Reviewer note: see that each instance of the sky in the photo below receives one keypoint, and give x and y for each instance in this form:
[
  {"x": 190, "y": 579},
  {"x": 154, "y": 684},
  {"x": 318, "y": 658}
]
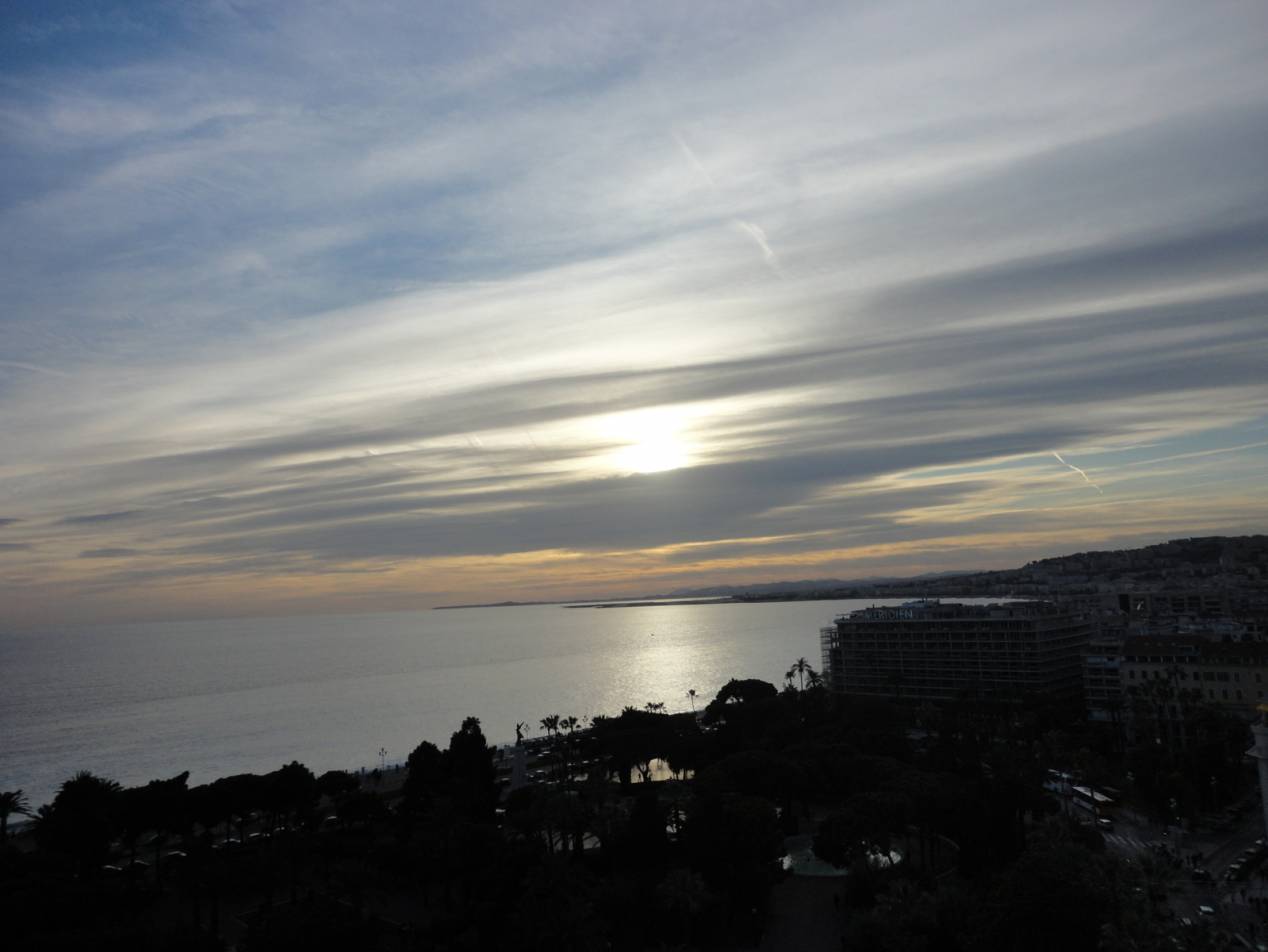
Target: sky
[{"x": 355, "y": 306}]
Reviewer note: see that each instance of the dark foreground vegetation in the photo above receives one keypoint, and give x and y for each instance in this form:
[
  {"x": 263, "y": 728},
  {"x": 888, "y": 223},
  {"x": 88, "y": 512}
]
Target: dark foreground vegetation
[{"x": 645, "y": 830}]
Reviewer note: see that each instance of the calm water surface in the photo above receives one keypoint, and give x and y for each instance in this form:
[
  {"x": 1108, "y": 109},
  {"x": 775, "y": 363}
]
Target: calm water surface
[{"x": 140, "y": 701}]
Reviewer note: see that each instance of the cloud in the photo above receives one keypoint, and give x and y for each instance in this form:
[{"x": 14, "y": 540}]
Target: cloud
[
  {"x": 299, "y": 293},
  {"x": 95, "y": 518},
  {"x": 32, "y": 368}
]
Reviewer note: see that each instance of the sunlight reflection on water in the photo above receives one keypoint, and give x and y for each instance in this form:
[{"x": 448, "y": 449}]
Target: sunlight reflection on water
[{"x": 135, "y": 702}]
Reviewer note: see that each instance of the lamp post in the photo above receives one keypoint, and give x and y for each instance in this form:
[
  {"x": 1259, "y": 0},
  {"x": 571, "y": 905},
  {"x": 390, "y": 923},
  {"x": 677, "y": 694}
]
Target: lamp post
[{"x": 1175, "y": 821}]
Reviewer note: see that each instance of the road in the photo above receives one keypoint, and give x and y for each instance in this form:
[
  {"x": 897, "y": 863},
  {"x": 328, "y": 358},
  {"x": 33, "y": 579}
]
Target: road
[{"x": 1236, "y": 906}]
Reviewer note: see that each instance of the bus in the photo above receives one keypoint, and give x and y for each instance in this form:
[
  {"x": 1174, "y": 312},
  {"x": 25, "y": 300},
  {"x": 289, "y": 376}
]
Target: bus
[
  {"x": 1100, "y": 805},
  {"x": 1058, "y": 782}
]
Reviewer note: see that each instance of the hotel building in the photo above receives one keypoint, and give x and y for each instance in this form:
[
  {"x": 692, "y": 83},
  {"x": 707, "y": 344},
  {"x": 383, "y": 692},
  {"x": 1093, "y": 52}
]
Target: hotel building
[{"x": 935, "y": 651}]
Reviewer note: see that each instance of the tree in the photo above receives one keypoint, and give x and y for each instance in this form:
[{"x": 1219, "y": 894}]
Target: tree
[
  {"x": 804, "y": 672},
  {"x": 337, "y": 785},
  {"x": 82, "y": 819},
  {"x": 1054, "y": 898},
  {"x": 801, "y": 668},
  {"x": 633, "y": 740},
  {"x": 733, "y": 841},
  {"x": 469, "y": 762},
  {"x": 550, "y": 724},
  {"x": 861, "y": 830},
  {"x": 745, "y": 691},
  {"x": 556, "y": 912},
  {"x": 11, "y": 802},
  {"x": 427, "y": 774},
  {"x": 240, "y": 795},
  {"x": 691, "y": 696},
  {"x": 682, "y": 895},
  {"x": 737, "y": 693},
  {"x": 567, "y": 749},
  {"x": 166, "y": 805},
  {"x": 292, "y": 791}
]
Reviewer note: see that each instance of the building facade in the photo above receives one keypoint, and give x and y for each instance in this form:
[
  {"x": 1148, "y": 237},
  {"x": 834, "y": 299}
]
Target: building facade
[
  {"x": 1102, "y": 679},
  {"x": 1230, "y": 674},
  {"x": 935, "y": 651}
]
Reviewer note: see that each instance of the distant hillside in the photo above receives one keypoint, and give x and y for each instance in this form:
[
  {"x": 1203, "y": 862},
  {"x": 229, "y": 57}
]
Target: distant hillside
[
  {"x": 804, "y": 585},
  {"x": 1232, "y": 562},
  {"x": 1195, "y": 558}
]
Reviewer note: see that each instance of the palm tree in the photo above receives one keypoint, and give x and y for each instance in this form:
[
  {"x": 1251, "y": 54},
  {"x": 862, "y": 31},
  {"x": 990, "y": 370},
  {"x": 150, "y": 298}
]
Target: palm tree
[
  {"x": 691, "y": 694},
  {"x": 11, "y": 802},
  {"x": 814, "y": 679},
  {"x": 800, "y": 668},
  {"x": 550, "y": 724},
  {"x": 655, "y": 707},
  {"x": 82, "y": 819}
]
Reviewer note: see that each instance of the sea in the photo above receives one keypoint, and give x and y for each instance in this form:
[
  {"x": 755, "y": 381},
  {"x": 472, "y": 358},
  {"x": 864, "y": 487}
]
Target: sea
[{"x": 137, "y": 702}]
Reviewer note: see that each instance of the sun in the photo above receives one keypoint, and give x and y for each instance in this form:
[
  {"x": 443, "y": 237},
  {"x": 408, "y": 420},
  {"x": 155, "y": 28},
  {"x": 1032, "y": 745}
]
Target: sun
[
  {"x": 653, "y": 455},
  {"x": 654, "y": 442}
]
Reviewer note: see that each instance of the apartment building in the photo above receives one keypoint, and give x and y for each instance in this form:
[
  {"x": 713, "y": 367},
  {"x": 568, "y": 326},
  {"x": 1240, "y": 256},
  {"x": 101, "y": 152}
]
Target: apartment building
[
  {"x": 936, "y": 651},
  {"x": 1230, "y": 674}
]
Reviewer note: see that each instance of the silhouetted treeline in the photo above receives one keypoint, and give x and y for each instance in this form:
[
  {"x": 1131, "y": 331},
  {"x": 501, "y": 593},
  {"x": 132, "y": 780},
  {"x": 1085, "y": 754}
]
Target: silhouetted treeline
[{"x": 642, "y": 830}]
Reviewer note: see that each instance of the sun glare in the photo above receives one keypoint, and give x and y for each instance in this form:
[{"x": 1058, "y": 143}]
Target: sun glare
[
  {"x": 654, "y": 455},
  {"x": 654, "y": 442}
]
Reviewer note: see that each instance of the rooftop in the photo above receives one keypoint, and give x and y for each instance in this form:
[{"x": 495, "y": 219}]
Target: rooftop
[{"x": 933, "y": 609}]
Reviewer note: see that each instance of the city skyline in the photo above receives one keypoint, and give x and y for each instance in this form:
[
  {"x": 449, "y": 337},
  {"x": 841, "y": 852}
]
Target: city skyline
[{"x": 352, "y": 307}]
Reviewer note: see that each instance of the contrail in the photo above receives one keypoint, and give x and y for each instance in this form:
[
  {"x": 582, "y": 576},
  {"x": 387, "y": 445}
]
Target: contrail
[
  {"x": 759, "y": 237},
  {"x": 383, "y": 459},
  {"x": 32, "y": 368},
  {"x": 1079, "y": 471},
  {"x": 694, "y": 160},
  {"x": 750, "y": 229}
]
